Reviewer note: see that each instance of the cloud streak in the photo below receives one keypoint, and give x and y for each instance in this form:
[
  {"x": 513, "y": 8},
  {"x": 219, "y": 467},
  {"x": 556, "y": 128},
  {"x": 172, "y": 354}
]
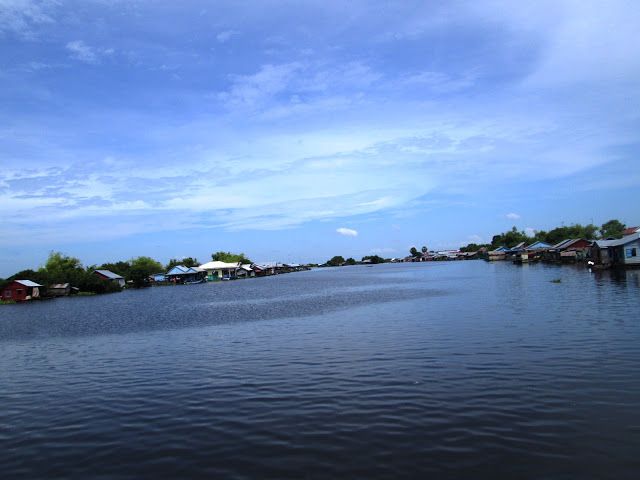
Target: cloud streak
[{"x": 347, "y": 232}]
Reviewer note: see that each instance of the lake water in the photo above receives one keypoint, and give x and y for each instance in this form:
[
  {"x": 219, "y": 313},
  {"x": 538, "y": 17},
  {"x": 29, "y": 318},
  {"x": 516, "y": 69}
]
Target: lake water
[{"x": 438, "y": 370}]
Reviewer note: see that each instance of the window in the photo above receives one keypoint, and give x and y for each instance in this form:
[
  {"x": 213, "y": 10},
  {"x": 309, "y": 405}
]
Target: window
[
  {"x": 632, "y": 252},
  {"x": 7, "y": 294}
]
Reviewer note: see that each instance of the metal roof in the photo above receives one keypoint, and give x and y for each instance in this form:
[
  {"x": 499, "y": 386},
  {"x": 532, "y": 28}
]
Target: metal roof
[
  {"x": 538, "y": 246},
  {"x": 618, "y": 242},
  {"x": 217, "y": 265},
  {"x": 181, "y": 270},
  {"x": 109, "y": 274},
  {"x": 28, "y": 283}
]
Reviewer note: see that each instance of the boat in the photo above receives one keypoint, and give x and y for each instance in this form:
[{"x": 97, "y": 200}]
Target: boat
[{"x": 195, "y": 282}]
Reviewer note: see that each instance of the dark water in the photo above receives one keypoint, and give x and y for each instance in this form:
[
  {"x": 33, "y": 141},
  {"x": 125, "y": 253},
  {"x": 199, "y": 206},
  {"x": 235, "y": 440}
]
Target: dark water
[{"x": 444, "y": 370}]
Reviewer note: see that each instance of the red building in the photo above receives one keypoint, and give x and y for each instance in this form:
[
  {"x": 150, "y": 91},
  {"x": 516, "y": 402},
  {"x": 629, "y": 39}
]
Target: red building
[{"x": 21, "y": 290}]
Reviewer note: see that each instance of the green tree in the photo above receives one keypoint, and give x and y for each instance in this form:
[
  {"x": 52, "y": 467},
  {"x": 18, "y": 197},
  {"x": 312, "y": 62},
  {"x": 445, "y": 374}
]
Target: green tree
[
  {"x": 187, "y": 262},
  {"x": 350, "y": 261},
  {"x": 414, "y": 252},
  {"x": 374, "y": 258},
  {"x": 141, "y": 269},
  {"x": 229, "y": 257},
  {"x": 61, "y": 268},
  {"x": 424, "y": 249},
  {"x": 336, "y": 261},
  {"x": 612, "y": 229}
]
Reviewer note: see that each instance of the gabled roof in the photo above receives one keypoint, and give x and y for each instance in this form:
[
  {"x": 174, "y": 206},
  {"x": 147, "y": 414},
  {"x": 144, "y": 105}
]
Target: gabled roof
[
  {"x": 109, "y": 274},
  {"x": 563, "y": 243},
  {"x": 181, "y": 270},
  {"x": 28, "y": 283},
  {"x": 618, "y": 242},
  {"x": 630, "y": 231},
  {"x": 538, "y": 246}
]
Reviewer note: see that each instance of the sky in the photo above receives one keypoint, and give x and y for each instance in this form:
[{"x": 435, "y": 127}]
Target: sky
[{"x": 295, "y": 131}]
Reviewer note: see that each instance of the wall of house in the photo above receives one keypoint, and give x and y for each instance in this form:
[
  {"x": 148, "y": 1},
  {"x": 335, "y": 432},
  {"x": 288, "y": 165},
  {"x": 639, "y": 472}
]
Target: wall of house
[
  {"x": 15, "y": 291},
  {"x": 628, "y": 250}
]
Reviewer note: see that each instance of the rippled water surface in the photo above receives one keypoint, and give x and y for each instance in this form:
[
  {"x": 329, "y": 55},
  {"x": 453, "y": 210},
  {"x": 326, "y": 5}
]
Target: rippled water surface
[{"x": 440, "y": 370}]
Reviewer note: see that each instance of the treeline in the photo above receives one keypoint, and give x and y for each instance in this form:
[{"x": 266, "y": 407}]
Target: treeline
[
  {"x": 61, "y": 268},
  {"x": 339, "y": 260},
  {"x": 611, "y": 229}
]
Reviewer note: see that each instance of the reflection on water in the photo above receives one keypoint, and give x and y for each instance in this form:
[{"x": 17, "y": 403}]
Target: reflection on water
[{"x": 463, "y": 369}]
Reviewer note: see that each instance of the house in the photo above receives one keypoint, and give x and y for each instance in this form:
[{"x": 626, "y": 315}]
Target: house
[
  {"x": 569, "y": 250},
  {"x": 245, "y": 271},
  {"x": 158, "y": 277},
  {"x": 624, "y": 251},
  {"x": 217, "y": 270},
  {"x": 59, "y": 290},
  {"x": 264, "y": 269},
  {"x": 182, "y": 274},
  {"x": 110, "y": 276},
  {"x": 21, "y": 290},
  {"x": 499, "y": 253},
  {"x": 630, "y": 231}
]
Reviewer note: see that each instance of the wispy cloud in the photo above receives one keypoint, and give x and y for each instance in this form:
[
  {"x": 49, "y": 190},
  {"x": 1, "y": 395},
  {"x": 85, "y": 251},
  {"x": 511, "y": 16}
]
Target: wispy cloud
[
  {"x": 23, "y": 17},
  {"x": 347, "y": 232},
  {"x": 512, "y": 216},
  {"x": 226, "y": 35},
  {"x": 79, "y": 50}
]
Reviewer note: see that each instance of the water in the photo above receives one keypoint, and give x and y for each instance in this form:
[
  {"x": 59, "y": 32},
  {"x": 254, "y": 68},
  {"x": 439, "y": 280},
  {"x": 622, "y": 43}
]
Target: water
[{"x": 440, "y": 370}]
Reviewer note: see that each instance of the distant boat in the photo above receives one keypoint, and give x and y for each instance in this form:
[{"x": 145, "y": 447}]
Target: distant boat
[{"x": 195, "y": 282}]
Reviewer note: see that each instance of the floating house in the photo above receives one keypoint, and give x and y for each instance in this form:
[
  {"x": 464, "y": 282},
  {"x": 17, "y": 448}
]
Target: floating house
[
  {"x": 158, "y": 277},
  {"x": 21, "y": 290},
  {"x": 217, "y": 270},
  {"x": 568, "y": 251},
  {"x": 59, "y": 290},
  {"x": 182, "y": 274},
  {"x": 499, "y": 253},
  {"x": 110, "y": 276},
  {"x": 245, "y": 271},
  {"x": 623, "y": 252}
]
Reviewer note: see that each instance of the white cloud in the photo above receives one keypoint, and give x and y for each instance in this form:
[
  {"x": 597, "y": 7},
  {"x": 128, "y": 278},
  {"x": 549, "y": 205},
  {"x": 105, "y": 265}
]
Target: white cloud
[
  {"x": 226, "y": 35},
  {"x": 84, "y": 53},
  {"x": 22, "y": 17},
  {"x": 347, "y": 232},
  {"x": 512, "y": 216},
  {"x": 530, "y": 231}
]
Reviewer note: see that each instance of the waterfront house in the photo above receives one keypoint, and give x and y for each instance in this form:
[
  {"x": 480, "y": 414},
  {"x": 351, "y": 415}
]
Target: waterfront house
[
  {"x": 21, "y": 290},
  {"x": 217, "y": 270},
  {"x": 624, "y": 251},
  {"x": 569, "y": 250},
  {"x": 158, "y": 278},
  {"x": 110, "y": 276},
  {"x": 499, "y": 253},
  {"x": 245, "y": 271},
  {"x": 59, "y": 290},
  {"x": 182, "y": 274},
  {"x": 630, "y": 231}
]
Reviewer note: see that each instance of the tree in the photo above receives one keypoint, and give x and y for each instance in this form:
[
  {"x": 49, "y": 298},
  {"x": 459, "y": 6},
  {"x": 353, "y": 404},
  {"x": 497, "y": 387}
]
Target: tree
[
  {"x": 62, "y": 268},
  {"x": 350, "y": 261},
  {"x": 612, "y": 229},
  {"x": 229, "y": 257},
  {"x": 373, "y": 258},
  {"x": 336, "y": 261},
  {"x": 141, "y": 269},
  {"x": 187, "y": 262},
  {"x": 414, "y": 252},
  {"x": 425, "y": 249}
]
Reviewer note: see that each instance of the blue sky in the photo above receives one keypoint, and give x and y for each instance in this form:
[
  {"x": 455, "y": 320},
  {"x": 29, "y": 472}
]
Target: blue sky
[{"x": 298, "y": 130}]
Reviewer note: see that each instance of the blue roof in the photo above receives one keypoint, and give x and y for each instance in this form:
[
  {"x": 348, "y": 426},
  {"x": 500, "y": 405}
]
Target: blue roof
[
  {"x": 181, "y": 270},
  {"x": 538, "y": 246}
]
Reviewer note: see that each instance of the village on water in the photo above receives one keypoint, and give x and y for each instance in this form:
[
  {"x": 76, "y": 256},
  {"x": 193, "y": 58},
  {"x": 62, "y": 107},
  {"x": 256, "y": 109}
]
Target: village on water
[{"x": 617, "y": 246}]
